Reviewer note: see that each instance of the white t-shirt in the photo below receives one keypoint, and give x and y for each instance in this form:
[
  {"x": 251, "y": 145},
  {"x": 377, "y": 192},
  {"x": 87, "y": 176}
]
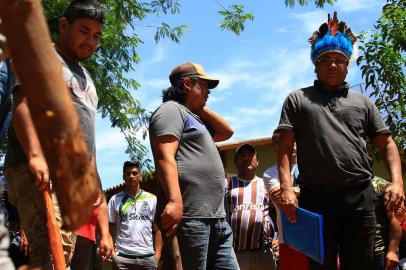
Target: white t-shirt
[
  {"x": 133, "y": 217},
  {"x": 271, "y": 181}
]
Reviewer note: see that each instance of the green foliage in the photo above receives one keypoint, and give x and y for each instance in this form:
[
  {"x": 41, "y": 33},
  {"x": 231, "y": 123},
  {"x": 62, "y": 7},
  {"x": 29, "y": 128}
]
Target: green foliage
[
  {"x": 383, "y": 67},
  {"x": 318, "y": 3},
  {"x": 116, "y": 57},
  {"x": 165, "y": 31},
  {"x": 234, "y": 18}
]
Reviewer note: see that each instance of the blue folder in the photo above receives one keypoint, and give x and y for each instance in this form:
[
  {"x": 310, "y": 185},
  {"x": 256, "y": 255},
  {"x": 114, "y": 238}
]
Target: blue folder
[{"x": 306, "y": 234}]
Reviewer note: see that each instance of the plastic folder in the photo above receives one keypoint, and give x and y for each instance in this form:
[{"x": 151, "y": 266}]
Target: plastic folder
[{"x": 306, "y": 234}]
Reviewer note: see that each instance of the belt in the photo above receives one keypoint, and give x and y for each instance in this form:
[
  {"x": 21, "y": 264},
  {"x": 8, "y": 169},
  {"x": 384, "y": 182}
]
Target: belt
[
  {"x": 131, "y": 256},
  {"x": 341, "y": 188}
]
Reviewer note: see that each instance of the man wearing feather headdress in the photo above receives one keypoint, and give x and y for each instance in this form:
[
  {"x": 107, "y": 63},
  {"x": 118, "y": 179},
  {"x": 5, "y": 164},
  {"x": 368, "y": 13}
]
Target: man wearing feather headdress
[{"x": 329, "y": 123}]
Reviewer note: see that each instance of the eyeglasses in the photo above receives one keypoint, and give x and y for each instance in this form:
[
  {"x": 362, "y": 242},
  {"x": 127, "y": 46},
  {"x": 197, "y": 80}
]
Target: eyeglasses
[{"x": 327, "y": 61}]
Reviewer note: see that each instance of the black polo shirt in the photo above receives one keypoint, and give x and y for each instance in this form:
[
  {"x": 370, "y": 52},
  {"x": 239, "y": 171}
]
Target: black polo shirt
[{"x": 330, "y": 129}]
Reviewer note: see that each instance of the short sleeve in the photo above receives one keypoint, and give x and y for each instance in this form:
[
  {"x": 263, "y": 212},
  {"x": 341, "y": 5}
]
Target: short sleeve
[
  {"x": 289, "y": 114},
  {"x": 271, "y": 178},
  {"x": 167, "y": 120},
  {"x": 16, "y": 81},
  {"x": 111, "y": 209},
  {"x": 376, "y": 124},
  {"x": 154, "y": 201}
]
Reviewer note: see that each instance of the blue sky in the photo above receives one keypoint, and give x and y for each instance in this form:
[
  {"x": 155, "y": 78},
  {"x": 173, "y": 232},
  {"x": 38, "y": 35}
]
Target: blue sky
[{"x": 256, "y": 69}]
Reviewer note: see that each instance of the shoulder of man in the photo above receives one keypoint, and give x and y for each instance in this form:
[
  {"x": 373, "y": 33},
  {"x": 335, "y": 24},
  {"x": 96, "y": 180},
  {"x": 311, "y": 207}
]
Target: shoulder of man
[
  {"x": 302, "y": 91},
  {"x": 271, "y": 172},
  {"x": 296, "y": 96},
  {"x": 166, "y": 106},
  {"x": 116, "y": 196},
  {"x": 358, "y": 95},
  {"x": 147, "y": 195},
  {"x": 261, "y": 184},
  {"x": 89, "y": 76}
]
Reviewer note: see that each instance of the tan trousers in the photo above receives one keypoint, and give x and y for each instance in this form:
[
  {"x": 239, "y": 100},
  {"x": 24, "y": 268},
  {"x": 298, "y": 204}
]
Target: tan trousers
[{"x": 25, "y": 196}]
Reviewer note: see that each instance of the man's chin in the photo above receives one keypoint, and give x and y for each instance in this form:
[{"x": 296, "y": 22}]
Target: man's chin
[{"x": 83, "y": 57}]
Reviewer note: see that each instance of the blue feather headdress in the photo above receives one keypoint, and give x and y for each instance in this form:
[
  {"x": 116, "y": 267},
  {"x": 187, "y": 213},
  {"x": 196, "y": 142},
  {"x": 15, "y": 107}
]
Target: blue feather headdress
[{"x": 333, "y": 36}]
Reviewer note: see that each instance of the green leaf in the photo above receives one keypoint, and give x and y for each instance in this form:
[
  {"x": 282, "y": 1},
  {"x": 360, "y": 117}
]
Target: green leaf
[{"x": 235, "y": 19}]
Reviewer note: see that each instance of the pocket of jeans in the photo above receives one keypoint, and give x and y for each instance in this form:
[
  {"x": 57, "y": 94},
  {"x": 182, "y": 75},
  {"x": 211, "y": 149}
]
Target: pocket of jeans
[
  {"x": 228, "y": 227},
  {"x": 192, "y": 227}
]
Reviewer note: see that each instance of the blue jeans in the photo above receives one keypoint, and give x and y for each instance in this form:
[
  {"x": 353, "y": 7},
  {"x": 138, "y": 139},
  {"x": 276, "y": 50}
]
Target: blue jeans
[{"x": 206, "y": 244}]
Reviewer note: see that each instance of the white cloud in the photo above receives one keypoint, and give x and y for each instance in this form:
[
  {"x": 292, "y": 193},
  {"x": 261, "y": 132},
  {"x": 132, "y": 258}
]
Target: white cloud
[
  {"x": 158, "y": 55},
  {"x": 282, "y": 30},
  {"x": 311, "y": 21},
  {"x": 154, "y": 83},
  {"x": 109, "y": 139},
  {"x": 215, "y": 99},
  {"x": 279, "y": 70},
  {"x": 357, "y": 5},
  {"x": 252, "y": 90}
]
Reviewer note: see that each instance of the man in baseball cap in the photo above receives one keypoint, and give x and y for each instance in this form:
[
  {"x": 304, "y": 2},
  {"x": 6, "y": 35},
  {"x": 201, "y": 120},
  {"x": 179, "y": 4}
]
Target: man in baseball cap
[
  {"x": 190, "y": 172},
  {"x": 259, "y": 251}
]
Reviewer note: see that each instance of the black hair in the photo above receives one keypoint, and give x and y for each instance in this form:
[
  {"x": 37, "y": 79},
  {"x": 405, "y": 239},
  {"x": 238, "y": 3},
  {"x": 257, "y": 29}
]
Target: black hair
[
  {"x": 78, "y": 9},
  {"x": 130, "y": 164},
  {"x": 176, "y": 92}
]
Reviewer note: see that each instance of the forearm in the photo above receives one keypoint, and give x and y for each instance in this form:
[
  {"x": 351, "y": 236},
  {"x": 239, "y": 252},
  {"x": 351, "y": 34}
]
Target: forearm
[
  {"x": 222, "y": 130},
  {"x": 158, "y": 244},
  {"x": 284, "y": 159},
  {"x": 284, "y": 174},
  {"x": 390, "y": 155},
  {"x": 168, "y": 179},
  {"x": 395, "y": 234},
  {"x": 393, "y": 164},
  {"x": 24, "y": 127},
  {"x": 275, "y": 195},
  {"x": 102, "y": 219}
]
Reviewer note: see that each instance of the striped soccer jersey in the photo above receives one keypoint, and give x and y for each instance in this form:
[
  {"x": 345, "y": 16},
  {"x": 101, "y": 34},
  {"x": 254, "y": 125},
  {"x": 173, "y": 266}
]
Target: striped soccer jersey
[{"x": 248, "y": 213}]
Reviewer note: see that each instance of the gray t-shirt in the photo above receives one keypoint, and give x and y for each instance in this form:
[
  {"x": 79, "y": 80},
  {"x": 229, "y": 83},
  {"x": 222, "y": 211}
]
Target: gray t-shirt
[
  {"x": 85, "y": 100},
  {"x": 201, "y": 174},
  {"x": 330, "y": 130}
]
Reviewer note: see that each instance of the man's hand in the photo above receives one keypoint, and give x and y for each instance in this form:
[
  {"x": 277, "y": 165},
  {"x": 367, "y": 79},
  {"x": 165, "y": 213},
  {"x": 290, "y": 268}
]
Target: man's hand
[
  {"x": 106, "y": 247},
  {"x": 400, "y": 215},
  {"x": 39, "y": 167},
  {"x": 23, "y": 243},
  {"x": 171, "y": 217},
  {"x": 289, "y": 203},
  {"x": 391, "y": 260},
  {"x": 394, "y": 197},
  {"x": 275, "y": 248}
]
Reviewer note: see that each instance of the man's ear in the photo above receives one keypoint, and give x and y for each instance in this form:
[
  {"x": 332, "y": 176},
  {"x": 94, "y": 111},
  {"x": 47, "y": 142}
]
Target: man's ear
[
  {"x": 63, "y": 25},
  {"x": 187, "y": 84}
]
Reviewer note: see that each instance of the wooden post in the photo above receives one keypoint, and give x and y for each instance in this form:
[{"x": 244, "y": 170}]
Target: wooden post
[
  {"x": 54, "y": 117},
  {"x": 55, "y": 241}
]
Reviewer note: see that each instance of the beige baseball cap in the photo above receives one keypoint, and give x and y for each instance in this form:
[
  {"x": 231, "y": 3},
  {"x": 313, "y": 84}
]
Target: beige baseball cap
[{"x": 191, "y": 70}]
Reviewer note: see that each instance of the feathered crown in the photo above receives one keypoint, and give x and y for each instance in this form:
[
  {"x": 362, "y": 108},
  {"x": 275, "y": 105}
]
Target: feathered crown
[{"x": 333, "y": 36}]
